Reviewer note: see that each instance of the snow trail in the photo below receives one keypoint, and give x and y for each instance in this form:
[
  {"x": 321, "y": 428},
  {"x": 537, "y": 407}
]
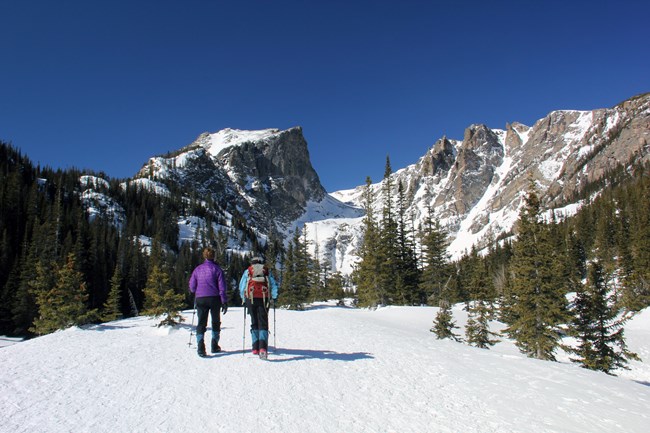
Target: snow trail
[{"x": 334, "y": 370}]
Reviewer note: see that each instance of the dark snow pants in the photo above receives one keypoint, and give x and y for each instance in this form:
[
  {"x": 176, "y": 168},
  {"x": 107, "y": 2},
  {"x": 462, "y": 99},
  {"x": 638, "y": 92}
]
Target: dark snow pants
[
  {"x": 259, "y": 323},
  {"x": 205, "y": 305}
]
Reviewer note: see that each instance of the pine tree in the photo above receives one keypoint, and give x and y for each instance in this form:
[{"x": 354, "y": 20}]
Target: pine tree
[
  {"x": 335, "y": 287},
  {"x": 480, "y": 307},
  {"x": 366, "y": 272},
  {"x": 598, "y": 326},
  {"x": 477, "y": 330},
  {"x": 62, "y": 302},
  {"x": 407, "y": 272},
  {"x": 389, "y": 254},
  {"x": 288, "y": 296},
  {"x": 296, "y": 276},
  {"x": 537, "y": 306},
  {"x": 443, "y": 324},
  {"x": 434, "y": 273},
  {"x": 637, "y": 283},
  {"x": 160, "y": 298},
  {"x": 112, "y": 307}
]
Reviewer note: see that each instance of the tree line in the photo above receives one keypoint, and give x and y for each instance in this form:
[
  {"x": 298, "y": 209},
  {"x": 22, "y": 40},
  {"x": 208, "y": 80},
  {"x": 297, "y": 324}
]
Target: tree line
[
  {"x": 61, "y": 266},
  {"x": 553, "y": 276},
  {"x": 582, "y": 276}
]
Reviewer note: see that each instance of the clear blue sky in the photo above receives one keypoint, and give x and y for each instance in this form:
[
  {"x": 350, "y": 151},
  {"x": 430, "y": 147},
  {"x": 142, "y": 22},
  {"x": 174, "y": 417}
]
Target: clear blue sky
[{"x": 107, "y": 84}]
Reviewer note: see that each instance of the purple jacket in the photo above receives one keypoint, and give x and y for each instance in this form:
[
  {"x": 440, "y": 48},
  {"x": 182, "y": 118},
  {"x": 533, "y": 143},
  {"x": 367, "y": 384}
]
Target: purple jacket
[{"x": 208, "y": 280}]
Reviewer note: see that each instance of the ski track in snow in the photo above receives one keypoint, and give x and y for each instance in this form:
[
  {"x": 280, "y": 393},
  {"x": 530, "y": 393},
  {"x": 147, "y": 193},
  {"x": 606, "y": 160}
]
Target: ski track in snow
[{"x": 334, "y": 370}]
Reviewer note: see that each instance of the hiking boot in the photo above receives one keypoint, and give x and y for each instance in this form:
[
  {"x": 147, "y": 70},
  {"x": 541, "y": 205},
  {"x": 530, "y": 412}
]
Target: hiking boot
[
  {"x": 201, "y": 349},
  {"x": 263, "y": 354},
  {"x": 215, "y": 347},
  {"x": 256, "y": 352}
]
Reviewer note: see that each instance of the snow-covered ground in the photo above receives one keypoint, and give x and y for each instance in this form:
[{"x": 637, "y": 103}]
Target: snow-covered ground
[{"x": 334, "y": 370}]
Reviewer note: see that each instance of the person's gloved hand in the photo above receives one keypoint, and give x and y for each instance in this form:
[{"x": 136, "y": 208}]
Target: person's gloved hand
[{"x": 224, "y": 308}]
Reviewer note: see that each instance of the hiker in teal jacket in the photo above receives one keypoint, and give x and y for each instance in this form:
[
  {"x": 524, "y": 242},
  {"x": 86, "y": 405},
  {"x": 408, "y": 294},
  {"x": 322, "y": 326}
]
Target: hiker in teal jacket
[{"x": 258, "y": 289}]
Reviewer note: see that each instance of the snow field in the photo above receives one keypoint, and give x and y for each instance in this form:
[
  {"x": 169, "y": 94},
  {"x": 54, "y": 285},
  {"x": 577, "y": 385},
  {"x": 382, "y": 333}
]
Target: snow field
[{"x": 334, "y": 370}]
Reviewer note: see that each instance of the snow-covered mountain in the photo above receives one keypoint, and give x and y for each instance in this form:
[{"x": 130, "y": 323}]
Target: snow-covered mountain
[
  {"x": 266, "y": 176},
  {"x": 473, "y": 186},
  {"x": 330, "y": 369}
]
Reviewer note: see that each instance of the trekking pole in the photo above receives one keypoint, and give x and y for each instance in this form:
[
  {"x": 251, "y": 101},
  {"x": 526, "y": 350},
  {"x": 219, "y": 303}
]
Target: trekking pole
[
  {"x": 275, "y": 346},
  {"x": 189, "y": 344},
  {"x": 243, "y": 349}
]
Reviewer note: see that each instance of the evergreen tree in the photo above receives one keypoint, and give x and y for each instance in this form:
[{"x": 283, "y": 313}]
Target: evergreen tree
[
  {"x": 637, "y": 283},
  {"x": 112, "y": 307},
  {"x": 61, "y": 303},
  {"x": 389, "y": 254},
  {"x": 366, "y": 272},
  {"x": 334, "y": 288},
  {"x": 160, "y": 298},
  {"x": 444, "y": 324},
  {"x": 480, "y": 307},
  {"x": 536, "y": 306},
  {"x": 477, "y": 329},
  {"x": 407, "y": 272},
  {"x": 296, "y": 276},
  {"x": 434, "y": 247},
  {"x": 598, "y": 326}
]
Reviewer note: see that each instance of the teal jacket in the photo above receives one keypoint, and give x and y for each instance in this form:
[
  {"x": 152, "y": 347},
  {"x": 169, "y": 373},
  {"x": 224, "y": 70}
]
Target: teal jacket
[{"x": 243, "y": 284}]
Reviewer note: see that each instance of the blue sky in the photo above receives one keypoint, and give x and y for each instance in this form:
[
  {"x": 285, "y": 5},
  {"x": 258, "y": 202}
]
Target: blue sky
[{"x": 107, "y": 84}]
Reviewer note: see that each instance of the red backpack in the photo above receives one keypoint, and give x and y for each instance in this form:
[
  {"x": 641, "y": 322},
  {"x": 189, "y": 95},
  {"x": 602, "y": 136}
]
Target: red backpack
[{"x": 258, "y": 283}]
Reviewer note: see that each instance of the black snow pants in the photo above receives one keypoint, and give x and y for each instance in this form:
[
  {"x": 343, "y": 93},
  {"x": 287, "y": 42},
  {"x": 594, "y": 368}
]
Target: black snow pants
[
  {"x": 205, "y": 305},
  {"x": 259, "y": 323}
]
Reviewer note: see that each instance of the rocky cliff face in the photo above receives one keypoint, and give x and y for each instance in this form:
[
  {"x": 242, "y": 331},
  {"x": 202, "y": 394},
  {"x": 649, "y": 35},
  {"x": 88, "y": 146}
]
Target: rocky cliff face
[
  {"x": 475, "y": 186},
  {"x": 266, "y": 176}
]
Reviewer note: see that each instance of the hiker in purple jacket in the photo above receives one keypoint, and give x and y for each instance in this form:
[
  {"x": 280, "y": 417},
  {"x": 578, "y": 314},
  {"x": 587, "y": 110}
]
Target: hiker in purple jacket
[{"x": 208, "y": 285}]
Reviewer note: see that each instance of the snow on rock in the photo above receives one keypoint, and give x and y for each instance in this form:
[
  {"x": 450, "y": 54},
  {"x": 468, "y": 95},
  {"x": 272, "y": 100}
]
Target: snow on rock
[
  {"x": 93, "y": 182},
  {"x": 332, "y": 370},
  {"x": 235, "y": 137},
  {"x": 149, "y": 185}
]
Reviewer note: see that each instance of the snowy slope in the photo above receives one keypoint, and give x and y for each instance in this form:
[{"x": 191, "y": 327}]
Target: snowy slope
[
  {"x": 226, "y": 138},
  {"x": 334, "y": 370},
  {"x": 475, "y": 187}
]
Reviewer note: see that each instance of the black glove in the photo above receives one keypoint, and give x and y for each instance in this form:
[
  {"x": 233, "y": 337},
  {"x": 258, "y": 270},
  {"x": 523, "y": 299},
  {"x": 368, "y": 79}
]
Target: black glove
[{"x": 224, "y": 308}]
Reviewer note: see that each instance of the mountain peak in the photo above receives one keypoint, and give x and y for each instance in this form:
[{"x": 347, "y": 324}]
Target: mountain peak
[{"x": 214, "y": 143}]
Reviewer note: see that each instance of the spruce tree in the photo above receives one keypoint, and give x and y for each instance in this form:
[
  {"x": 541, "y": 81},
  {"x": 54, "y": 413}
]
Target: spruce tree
[
  {"x": 434, "y": 257},
  {"x": 477, "y": 329},
  {"x": 407, "y": 272},
  {"x": 335, "y": 288},
  {"x": 444, "y": 324},
  {"x": 62, "y": 301},
  {"x": 389, "y": 254},
  {"x": 296, "y": 277},
  {"x": 366, "y": 272},
  {"x": 288, "y": 288},
  {"x": 537, "y": 306},
  {"x": 160, "y": 298},
  {"x": 480, "y": 307},
  {"x": 112, "y": 307},
  {"x": 637, "y": 285},
  {"x": 598, "y": 326}
]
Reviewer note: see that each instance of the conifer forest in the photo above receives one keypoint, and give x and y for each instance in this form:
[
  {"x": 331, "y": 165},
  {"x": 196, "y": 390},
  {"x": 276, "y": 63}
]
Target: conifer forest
[{"x": 582, "y": 275}]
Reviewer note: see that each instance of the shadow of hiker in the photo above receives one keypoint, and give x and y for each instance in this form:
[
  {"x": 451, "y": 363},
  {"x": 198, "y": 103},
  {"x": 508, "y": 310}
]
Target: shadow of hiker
[{"x": 303, "y": 354}]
